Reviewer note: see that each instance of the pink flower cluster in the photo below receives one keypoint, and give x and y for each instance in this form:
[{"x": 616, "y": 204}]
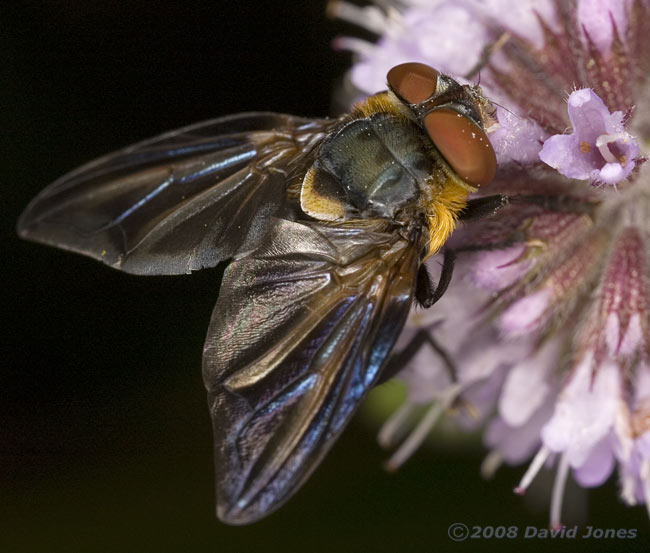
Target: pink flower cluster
[{"x": 547, "y": 322}]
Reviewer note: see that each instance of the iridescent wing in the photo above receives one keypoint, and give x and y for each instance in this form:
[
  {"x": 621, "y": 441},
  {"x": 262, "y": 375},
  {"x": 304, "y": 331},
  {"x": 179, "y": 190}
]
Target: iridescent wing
[
  {"x": 299, "y": 334},
  {"x": 179, "y": 202}
]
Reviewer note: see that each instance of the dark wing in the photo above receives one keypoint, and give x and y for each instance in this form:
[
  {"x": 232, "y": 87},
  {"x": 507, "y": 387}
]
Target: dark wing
[
  {"x": 179, "y": 202},
  {"x": 299, "y": 334}
]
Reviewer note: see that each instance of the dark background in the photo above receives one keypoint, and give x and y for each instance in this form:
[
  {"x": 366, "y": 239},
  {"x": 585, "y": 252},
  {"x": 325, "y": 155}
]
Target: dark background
[{"x": 105, "y": 440}]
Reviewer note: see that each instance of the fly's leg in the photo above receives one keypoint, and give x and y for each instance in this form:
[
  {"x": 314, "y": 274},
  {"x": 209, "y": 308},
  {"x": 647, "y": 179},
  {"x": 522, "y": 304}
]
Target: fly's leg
[
  {"x": 425, "y": 293},
  {"x": 399, "y": 360},
  {"x": 561, "y": 204},
  {"x": 483, "y": 207},
  {"x": 478, "y": 208}
]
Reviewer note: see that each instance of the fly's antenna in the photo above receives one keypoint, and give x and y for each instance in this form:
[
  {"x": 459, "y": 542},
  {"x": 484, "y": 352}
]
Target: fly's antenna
[{"x": 505, "y": 108}]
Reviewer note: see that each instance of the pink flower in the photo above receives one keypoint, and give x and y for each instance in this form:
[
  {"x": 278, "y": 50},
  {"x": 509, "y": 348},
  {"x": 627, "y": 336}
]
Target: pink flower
[
  {"x": 546, "y": 326},
  {"x": 598, "y": 149}
]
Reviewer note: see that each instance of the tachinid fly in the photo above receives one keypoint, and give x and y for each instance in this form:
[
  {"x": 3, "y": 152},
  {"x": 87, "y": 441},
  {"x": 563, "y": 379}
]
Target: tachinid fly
[{"x": 326, "y": 224}]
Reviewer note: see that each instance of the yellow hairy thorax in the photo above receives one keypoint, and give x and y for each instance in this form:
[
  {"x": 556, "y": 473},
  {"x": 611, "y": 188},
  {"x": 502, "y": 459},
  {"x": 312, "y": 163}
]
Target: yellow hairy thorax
[
  {"x": 442, "y": 212},
  {"x": 445, "y": 196}
]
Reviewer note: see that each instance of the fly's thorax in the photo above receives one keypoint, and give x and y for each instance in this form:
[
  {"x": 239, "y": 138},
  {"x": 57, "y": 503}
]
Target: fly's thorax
[
  {"x": 372, "y": 167},
  {"x": 383, "y": 166}
]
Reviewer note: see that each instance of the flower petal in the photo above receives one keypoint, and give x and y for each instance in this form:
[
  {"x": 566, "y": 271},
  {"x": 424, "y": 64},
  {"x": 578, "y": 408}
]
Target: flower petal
[
  {"x": 596, "y": 18},
  {"x": 526, "y": 386},
  {"x": 598, "y": 148},
  {"x": 497, "y": 269},
  {"x": 516, "y": 139},
  {"x": 585, "y": 411},
  {"x": 526, "y": 314},
  {"x": 598, "y": 466}
]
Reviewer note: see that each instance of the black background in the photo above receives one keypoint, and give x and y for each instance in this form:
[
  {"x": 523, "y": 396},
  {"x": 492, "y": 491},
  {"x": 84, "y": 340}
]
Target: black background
[{"x": 105, "y": 440}]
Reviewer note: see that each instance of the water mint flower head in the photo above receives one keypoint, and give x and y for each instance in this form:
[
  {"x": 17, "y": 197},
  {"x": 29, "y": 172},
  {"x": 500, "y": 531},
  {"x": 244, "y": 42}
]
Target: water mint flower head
[{"x": 544, "y": 335}]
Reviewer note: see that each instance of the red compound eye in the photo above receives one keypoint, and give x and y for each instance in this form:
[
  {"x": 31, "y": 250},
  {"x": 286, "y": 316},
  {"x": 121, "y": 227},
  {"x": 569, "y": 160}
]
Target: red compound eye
[
  {"x": 413, "y": 82},
  {"x": 463, "y": 144}
]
